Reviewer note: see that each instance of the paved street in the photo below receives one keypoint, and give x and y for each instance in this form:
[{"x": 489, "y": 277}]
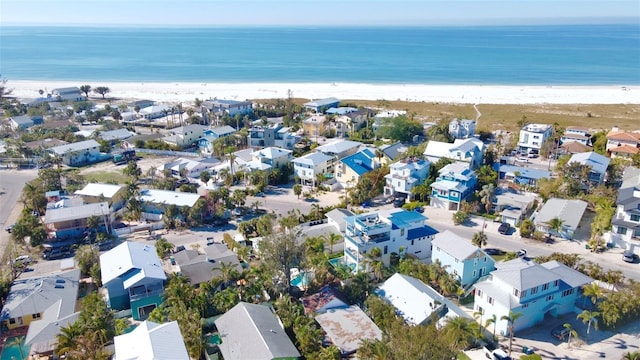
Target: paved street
[{"x": 11, "y": 184}]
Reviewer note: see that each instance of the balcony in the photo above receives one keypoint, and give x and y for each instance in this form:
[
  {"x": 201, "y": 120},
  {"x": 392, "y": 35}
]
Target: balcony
[{"x": 141, "y": 293}]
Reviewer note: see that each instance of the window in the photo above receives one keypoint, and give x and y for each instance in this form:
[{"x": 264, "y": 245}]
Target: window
[
  {"x": 635, "y": 217},
  {"x": 549, "y": 298},
  {"x": 556, "y": 283},
  {"x": 412, "y": 242},
  {"x": 12, "y": 321},
  {"x": 479, "y": 293},
  {"x": 534, "y": 290},
  {"x": 480, "y": 310},
  {"x": 386, "y": 249},
  {"x": 474, "y": 273},
  {"x": 490, "y": 300},
  {"x": 401, "y": 232},
  {"x": 524, "y": 306},
  {"x": 485, "y": 259},
  {"x": 524, "y": 293},
  {"x": 545, "y": 287},
  {"x": 567, "y": 292},
  {"x": 516, "y": 292},
  {"x": 35, "y": 316},
  {"x": 622, "y": 230}
]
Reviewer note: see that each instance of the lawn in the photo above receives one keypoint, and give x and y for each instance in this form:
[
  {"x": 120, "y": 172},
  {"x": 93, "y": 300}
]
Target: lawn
[{"x": 110, "y": 177}]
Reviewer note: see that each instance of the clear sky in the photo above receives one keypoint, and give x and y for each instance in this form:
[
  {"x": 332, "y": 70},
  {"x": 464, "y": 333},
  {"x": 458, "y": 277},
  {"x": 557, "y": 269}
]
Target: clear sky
[{"x": 315, "y": 12}]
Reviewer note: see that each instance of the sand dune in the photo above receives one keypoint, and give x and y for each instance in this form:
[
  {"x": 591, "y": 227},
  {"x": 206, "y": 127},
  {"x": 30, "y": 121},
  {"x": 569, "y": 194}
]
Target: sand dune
[{"x": 469, "y": 94}]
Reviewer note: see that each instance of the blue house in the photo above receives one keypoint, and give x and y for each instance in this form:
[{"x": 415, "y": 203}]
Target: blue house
[
  {"x": 454, "y": 184},
  {"x": 321, "y": 105},
  {"x": 350, "y": 169},
  {"x": 520, "y": 175},
  {"x": 465, "y": 261},
  {"x": 205, "y": 143},
  {"x": 133, "y": 276}
]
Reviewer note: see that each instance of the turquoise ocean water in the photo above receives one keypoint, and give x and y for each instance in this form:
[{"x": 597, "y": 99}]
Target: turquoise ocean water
[{"x": 520, "y": 55}]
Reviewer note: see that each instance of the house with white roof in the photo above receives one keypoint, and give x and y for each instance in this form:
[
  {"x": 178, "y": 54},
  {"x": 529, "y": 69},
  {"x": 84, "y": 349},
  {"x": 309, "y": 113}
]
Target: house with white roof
[
  {"x": 350, "y": 169},
  {"x": 512, "y": 206},
  {"x": 570, "y": 212},
  {"x": 134, "y": 279},
  {"x": 533, "y": 136},
  {"x": 199, "y": 268},
  {"x": 308, "y": 167},
  {"x": 347, "y": 328},
  {"x": 455, "y": 183},
  {"x": 521, "y": 175},
  {"x": 29, "y": 299},
  {"x": 155, "y": 202},
  {"x": 576, "y": 134},
  {"x": 394, "y": 231},
  {"x": 336, "y": 218},
  {"x": 462, "y": 128},
  {"x": 67, "y": 94},
  {"x": 321, "y": 105},
  {"x": 272, "y": 135},
  {"x": 114, "y": 136},
  {"x": 153, "y": 112},
  {"x": 469, "y": 151},
  {"x": 537, "y": 291},
  {"x": 151, "y": 340},
  {"x": 185, "y": 136},
  {"x": 273, "y": 157},
  {"x": 78, "y": 153},
  {"x": 24, "y": 122},
  {"x": 625, "y": 230},
  {"x": 64, "y": 221},
  {"x": 209, "y": 136},
  {"x": 597, "y": 165},
  {"x": 460, "y": 258},
  {"x": 416, "y": 302},
  {"x": 114, "y": 195},
  {"x": 190, "y": 168},
  {"x": 405, "y": 175},
  {"x": 251, "y": 331},
  {"x": 339, "y": 149},
  {"x": 42, "y": 334},
  {"x": 221, "y": 107}
]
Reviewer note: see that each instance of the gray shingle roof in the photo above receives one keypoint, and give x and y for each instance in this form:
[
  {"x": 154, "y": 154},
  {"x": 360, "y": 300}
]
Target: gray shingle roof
[
  {"x": 75, "y": 147},
  {"x": 250, "y": 331}
]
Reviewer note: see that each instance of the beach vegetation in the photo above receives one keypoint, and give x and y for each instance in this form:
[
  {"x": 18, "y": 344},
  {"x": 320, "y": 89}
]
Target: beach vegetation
[
  {"x": 86, "y": 89},
  {"x": 102, "y": 90},
  {"x": 400, "y": 128}
]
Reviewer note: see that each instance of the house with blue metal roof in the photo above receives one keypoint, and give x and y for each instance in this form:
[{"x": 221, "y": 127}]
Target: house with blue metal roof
[
  {"x": 350, "y": 169},
  {"x": 396, "y": 232},
  {"x": 521, "y": 175},
  {"x": 454, "y": 184}
]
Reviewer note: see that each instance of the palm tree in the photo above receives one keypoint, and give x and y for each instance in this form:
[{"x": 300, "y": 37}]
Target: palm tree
[
  {"x": 459, "y": 330},
  {"x": 592, "y": 291},
  {"x": 572, "y": 333},
  {"x": 333, "y": 239},
  {"x": 492, "y": 320},
  {"x": 17, "y": 342},
  {"x": 511, "y": 319},
  {"x": 374, "y": 262},
  {"x": 67, "y": 338},
  {"x": 555, "y": 225},
  {"x": 589, "y": 317},
  {"x": 479, "y": 239},
  {"x": 486, "y": 196},
  {"x": 631, "y": 356}
]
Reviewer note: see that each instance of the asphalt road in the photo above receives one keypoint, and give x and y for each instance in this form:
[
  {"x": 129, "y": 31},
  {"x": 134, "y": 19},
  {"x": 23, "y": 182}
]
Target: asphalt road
[{"x": 11, "y": 184}]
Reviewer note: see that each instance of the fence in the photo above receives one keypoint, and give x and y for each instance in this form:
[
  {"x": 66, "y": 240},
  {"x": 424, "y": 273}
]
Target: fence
[{"x": 167, "y": 152}]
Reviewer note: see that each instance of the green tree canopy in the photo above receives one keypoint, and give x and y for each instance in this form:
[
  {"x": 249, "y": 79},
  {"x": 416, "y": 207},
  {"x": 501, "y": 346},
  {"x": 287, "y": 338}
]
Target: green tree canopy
[{"x": 399, "y": 128}]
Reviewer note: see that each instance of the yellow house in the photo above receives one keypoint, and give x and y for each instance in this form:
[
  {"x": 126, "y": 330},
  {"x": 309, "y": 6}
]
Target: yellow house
[
  {"x": 349, "y": 170},
  {"x": 315, "y": 125},
  {"x": 29, "y": 298}
]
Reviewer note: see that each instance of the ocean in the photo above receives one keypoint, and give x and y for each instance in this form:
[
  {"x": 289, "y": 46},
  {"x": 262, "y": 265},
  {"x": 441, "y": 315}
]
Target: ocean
[{"x": 487, "y": 55}]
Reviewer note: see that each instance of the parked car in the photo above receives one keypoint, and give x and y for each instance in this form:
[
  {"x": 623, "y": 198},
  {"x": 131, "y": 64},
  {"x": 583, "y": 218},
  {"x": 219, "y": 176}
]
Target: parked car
[
  {"x": 504, "y": 228},
  {"x": 56, "y": 254},
  {"x": 629, "y": 256},
  {"x": 9, "y": 228},
  {"x": 522, "y": 253},
  {"x": 398, "y": 203},
  {"x": 560, "y": 332},
  {"x": 499, "y": 354},
  {"x": 492, "y": 251},
  {"x": 23, "y": 259}
]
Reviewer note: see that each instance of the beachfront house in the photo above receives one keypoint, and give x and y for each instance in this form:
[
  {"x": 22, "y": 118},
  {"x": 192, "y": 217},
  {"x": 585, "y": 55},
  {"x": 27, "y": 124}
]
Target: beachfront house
[
  {"x": 569, "y": 212},
  {"x": 350, "y": 169},
  {"x": 114, "y": 195},
  {"x": 133, "y": 278},
  {"x": 153, "y": 112},
  {"x": 454, "y": 184},
  {"x": 532, "y": 137},
  {"x": 536, "y": 291},
  {"x": 155, "y": 202},
  {"x": 625, "y": 231},
  {"x": 395, "y": 232},
  {"x": 308, "y": 167},
  {"x": 576, "y": 134},
  {"x": 623, "y": 143},
  {"x": 416, "y": 302},
  {"x": 512, "y": 206},
  {"x": 596, "y": 163},
  {"x": 31, "y": 299},
  {"x": 67, "y": 94},
  {"x": 150, "y": 340},
  {"x": 347, "y": 328},
  {"x": 221, "y": 107},
  {"x": 469, "y": 151},
  {"x": 405, "y": 175},
  {"x": 78, "y": 153},
  {"x": 321, "y": 105},
  {"x": 460, "y": 258},
  {"x": 462, "y": 128},
  {"x": 252, "y": 331}
]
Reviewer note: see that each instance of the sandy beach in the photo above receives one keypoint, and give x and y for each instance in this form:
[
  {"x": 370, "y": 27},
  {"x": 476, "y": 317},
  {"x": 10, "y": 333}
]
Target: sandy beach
[{"x": 464, "y": 94}]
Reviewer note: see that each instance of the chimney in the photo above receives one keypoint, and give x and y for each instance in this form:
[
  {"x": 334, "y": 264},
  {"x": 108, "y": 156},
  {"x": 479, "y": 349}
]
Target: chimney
[{"x": 615, "y": 128}]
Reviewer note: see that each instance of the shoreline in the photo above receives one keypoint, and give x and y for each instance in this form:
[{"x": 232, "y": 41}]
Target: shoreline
[{"x": 164, "y": 91}]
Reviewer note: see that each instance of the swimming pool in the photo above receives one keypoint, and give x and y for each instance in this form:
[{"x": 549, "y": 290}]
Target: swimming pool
[
  {"x": 301, "y": 280},
  {"x": 15, "y": 351}
]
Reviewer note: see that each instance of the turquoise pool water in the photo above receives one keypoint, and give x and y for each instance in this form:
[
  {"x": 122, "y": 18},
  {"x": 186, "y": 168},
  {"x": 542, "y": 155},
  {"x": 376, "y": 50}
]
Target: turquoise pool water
[
  {"x": 340, "y": 262},
  {"x": 12, "y": 352},
  {"x": 301, "y": 280}
]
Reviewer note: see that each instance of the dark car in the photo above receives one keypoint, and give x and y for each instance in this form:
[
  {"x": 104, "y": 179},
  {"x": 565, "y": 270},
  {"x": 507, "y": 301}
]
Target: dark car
[
  {"x": 491, "y": 251},
  {"x": 504, "y": 228},
  {"x": 9, "y": 228},
  {"x": 629, "y": 256},
  {"x": 398, "y": 203},
  {"x": 560, "y": 332},
  {"x": 56, "y": 254}
]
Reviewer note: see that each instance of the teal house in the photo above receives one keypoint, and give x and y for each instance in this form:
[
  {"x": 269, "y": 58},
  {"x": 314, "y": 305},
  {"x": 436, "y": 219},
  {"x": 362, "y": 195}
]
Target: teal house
[
  {"x": 454, "y": 184},
  {"x": 133, "y": 276}
]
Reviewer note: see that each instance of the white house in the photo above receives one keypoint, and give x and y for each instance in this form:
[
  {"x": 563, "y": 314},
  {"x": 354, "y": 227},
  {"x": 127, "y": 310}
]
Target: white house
[
  {"x": 460, "y": 258},
  {"x": 537, "y": 291},
  {"x": 512, "y": 206},
  {"x": 405, "y": 175},
  {"x": 150, "y": 340},
  {"x": 570, "y": 212},
  {"x": 190, "y": 168},
  {"x": 155, "y": 202},
  {"x": 533, "y": 136},
  {"x": 272, "y": 135},
  {"x": 462, "y": 128},
  {"x": 221, "y": 107},
  {"x": 576, "y": 134},
  {"x": 272, "y": 156},
  {"x": 116, "y": 135},
  {"x": 625, "y": 231},
  {"x": 67, "y": 94},
  {"x": 114, "y": 195},
  {"x": 309, "y": 166},
  {"x": 185, "y": 136},
  {"x": 394, "y": 231},
  {"x": 78, "y": 153},
  {"x": 339, "y": 149},
  {"x": 415, "y": 301},
  {"x": 623, "y": 143},
  {"x": 597, "y": 165},
  {"x": 468, "y": 150},
  {"x": 156, "y": 111}
]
